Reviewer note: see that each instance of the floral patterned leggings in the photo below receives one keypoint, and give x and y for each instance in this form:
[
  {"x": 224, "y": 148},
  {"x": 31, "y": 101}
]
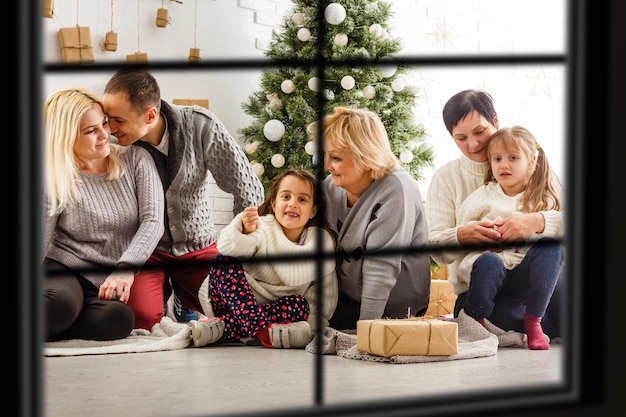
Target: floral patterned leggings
[{"x": 233, "y": 301}]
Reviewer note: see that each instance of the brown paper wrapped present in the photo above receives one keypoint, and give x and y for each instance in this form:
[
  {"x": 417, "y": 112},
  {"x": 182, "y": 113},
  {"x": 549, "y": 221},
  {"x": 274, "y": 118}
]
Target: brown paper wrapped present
[
  {"x": 47, "y": 8},
  {"x": 442, "y": 298},
  {"x": 202, "y": 102},
  {"x": 76, "y": 45},
  {"x": 110, "y": 41},
  {"x": 162, "y": 18},
  {"x": 137, "y": 58},
  {"x": 409, "y": 337},
  {"x": 194, "y": 54}
]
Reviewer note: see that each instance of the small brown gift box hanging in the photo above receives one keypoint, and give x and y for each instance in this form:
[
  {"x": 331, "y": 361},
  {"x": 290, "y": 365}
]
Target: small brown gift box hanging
[
  {"x": 416, "y": 336},
  {"x": 202, "y": 102},
  {"x": 47, "y": 8},
  {"x": 137, "y": 58},
  {"x": 110, "y": 41},
  {"x": 162, "y": 18},
  {"x": 194, "y": 54},
  {"x": 442, "y": 298},
  {"x": 76, "y": 45}
]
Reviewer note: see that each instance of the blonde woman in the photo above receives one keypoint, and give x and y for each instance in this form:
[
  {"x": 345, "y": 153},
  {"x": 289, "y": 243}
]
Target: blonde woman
[
  {"x": 375, "y": 208},
  {"x": 102, "y": 218}
]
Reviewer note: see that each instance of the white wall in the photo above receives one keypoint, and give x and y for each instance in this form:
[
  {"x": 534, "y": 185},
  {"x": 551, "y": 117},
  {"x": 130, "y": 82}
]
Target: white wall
[{"x": 531, "y": 95}]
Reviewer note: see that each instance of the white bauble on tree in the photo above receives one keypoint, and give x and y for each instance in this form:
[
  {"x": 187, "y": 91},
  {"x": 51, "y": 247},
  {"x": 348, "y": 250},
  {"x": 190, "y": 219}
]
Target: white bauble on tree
[
  {"x": 273, "y": 101},
  {"x": 287, "y": 86},
  {"x": 387, "y": 66},
  {"x": 369, "y": 92},
  {"x": 397, "y": 85},
  {"x": 252, "y": 147},
  {"x": 340, "y": 39},
  {"x": 277, "y": 160},
  {"x": 304, "y": 34},
  {"x": 274, "y": 130},
  {"x": 347, "y": 82},
  {"x": 297, "y": 18},
  {"x": 406, "y": 156},
  {"x": 258, "y": 169},
  {"x": 334, "y": 13},
  {"x": 314, "y": 83},
  {"x": 310, "y": 147},
  {"x": 376, "y": 30}
]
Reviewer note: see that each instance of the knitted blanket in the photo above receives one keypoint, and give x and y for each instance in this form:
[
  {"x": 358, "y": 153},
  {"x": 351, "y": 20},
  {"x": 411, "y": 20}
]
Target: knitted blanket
[
  {"x": 166, "y": 335},
  {"x": 474, "y": 341}
]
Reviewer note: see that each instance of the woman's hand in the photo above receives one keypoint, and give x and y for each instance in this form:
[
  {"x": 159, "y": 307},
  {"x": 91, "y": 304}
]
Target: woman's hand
[
  {"x": 119, "y": 283},
  {"x": 249, "y": 219}
]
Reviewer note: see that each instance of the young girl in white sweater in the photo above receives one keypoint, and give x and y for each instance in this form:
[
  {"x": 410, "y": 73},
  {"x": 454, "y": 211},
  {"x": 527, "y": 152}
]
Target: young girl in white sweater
[
  {"x": 519, "y": 180},
  {"x": 264, "y": 283}
]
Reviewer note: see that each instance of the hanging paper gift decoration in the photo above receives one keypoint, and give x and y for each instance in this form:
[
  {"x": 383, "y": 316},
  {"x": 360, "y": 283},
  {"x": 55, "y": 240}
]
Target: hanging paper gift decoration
[
  {"x": 75, "y": 43},
  {"x": 162, "y": 17},
  {"x": 47, "y": 8}
]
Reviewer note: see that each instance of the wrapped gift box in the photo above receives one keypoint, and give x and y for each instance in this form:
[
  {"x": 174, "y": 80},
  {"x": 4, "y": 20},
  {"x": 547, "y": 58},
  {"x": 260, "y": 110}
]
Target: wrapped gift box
[
  {"x": 76, "y": 47},
  {"x": 194, "y": 54},
  {"x": 442, "y": 298},
  {"x": 47, "y": 8},
  {"x": 202, "y": 102},
  {"x": 162, "y": 18},
  {"x": 110, "y": 41},
  {"x": 137, "y": 58},
  {"x": 408, "y": 337}
]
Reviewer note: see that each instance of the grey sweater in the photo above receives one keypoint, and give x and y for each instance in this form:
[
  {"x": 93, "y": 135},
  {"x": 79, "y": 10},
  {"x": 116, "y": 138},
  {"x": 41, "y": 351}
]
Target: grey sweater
[
  {"x": 111, "y": 222},
  {"x": 388, "y": 217},
  {"x": 199, "y": 147}
]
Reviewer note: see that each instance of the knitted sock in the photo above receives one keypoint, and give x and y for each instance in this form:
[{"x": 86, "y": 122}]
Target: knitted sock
[{"x": 534, "y": 332}]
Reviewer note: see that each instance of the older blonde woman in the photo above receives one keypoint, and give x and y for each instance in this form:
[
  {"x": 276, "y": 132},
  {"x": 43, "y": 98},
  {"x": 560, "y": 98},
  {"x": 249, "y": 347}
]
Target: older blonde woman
[
  {"x": 375, "y": 207},
  {"x": 102, "y": 218}
]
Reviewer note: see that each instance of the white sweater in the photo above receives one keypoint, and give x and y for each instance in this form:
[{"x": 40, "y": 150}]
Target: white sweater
[{"x": 274, "y": 278}]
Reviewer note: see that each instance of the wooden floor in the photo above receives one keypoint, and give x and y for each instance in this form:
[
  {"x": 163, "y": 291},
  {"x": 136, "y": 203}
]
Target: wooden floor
[{"x": 253, "y": 380}]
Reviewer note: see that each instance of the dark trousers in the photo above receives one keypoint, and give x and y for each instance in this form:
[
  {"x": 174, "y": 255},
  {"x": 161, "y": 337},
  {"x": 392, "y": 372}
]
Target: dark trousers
[
  {"x": 73, "y": 310},
  {"x": 503, "y": 296}
]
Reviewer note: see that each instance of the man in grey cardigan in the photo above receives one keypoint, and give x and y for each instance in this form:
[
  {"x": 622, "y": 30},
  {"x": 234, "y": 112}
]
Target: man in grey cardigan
[{"x": 189, "y": 145}]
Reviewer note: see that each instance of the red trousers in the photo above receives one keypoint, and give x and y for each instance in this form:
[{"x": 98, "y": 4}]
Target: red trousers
[{"x": 152, "y": 289}]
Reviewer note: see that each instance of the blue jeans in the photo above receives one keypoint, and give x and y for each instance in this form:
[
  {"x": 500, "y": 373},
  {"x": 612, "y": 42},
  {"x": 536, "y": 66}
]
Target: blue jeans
[{"x": 503, "y": 295}]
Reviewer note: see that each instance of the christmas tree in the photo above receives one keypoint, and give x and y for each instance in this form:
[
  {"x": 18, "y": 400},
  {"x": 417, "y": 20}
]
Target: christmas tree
[{"x": 330, "y": 54}]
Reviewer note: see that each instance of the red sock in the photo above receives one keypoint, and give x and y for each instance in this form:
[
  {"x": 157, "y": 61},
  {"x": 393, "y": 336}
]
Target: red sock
[
  {"x": 534, "y": 332},
  {"x": 264, "y": 337}
]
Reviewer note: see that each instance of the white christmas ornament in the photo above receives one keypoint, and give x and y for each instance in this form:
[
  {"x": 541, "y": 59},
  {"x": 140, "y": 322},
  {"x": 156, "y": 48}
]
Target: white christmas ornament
[
  {"x": 258, "y": 169},
  {"x": 304, "y": 34},
  {"x": 387, "y": 67},
  {"x": 347, "y": 82},
  {"x": 334, "y": 13},
  {"x": 330, "y": 94},
  {"x": 298, "y": 18},
  {"x": 314, "y": 84},
  {"x": 287, "y": 86},
  {"x": 369, "y": 92},
  {"x": 274, "y": 130},
  {"x": 310, "y": 147},
  {"x": 278, "y": 160},
  {"x": 397, "y": 85},
  {"x": 341, "y": 39},
  {"x": 252, "y": 147},
  {"x": 376, "y": 30},
  {"x": 406, "y": 156}
]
